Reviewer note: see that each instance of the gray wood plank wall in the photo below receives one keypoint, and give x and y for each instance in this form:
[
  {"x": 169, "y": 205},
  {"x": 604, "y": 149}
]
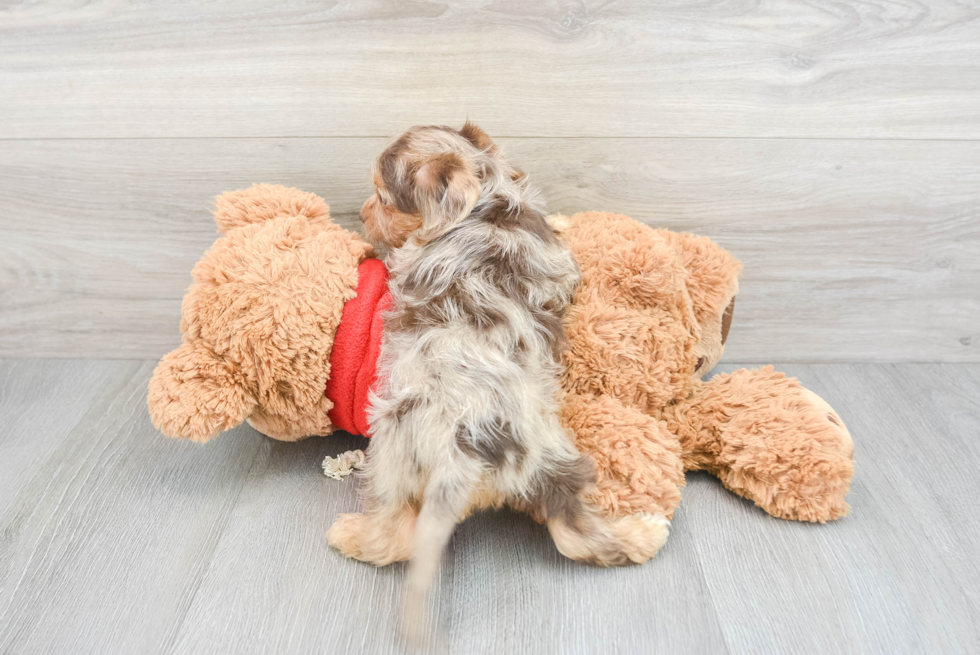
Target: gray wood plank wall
[{"x": 834, "y": 148}]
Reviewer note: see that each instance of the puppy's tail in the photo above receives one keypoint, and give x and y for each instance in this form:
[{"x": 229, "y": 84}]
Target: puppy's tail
[{"x": 442, "y": 506}]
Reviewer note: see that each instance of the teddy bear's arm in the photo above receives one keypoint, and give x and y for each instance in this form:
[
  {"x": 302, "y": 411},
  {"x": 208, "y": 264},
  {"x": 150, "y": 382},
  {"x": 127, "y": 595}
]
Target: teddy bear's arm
[
  {"x": 638, "y": 461},
  {"x": 195, "y": 394},
  {"x": 770, "y": 440}
]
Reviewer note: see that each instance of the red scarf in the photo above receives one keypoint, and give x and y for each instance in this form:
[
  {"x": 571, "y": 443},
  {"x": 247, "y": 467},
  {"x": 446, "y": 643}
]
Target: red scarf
[{"x": 354, "y": 359}]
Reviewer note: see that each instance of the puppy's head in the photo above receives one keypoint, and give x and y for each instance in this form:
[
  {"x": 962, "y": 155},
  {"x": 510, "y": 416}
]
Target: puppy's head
[{"x": 427, "y": 181}]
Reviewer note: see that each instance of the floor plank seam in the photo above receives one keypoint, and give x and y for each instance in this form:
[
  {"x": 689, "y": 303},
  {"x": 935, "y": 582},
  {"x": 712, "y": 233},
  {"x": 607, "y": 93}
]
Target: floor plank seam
[
  {"x": 99, "y": 402},
  {"x": 226, "y": 519},
  {"x": 707, "y": 586}
]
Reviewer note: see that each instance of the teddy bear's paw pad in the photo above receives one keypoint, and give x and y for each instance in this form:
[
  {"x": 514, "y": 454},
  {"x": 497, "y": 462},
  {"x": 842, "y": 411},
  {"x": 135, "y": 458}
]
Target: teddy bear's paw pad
[{"x": 642, "y": 535}]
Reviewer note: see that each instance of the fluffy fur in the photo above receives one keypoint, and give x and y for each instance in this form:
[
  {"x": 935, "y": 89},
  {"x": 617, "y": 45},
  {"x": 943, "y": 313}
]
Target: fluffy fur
[
  {"x": 259, "y": 320},
  {"x": 649, "y": 319},
  {"x": 465, "y": 414},
  {"x": 646, "y": 323},
  {"x": 791, "y": 455}
]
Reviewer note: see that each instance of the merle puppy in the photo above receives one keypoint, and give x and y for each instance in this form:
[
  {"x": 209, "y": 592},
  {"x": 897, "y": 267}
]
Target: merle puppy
[{"x": 465, "y": 409}]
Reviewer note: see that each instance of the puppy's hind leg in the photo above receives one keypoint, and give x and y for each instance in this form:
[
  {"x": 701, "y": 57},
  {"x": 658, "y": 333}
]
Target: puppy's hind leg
[
  {"x": 389, "y": 492},
  {"x": 581, "y": 532}
]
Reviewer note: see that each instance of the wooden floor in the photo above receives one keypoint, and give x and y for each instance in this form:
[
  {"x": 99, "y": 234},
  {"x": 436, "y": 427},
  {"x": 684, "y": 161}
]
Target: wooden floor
[{"x": 118, "y": 540}]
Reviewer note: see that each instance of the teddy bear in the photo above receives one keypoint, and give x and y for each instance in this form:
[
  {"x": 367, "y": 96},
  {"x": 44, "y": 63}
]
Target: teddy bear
[
  {"x": 284, "y": 320},
  {"x": 260, "y": 322},
  {"x": 650, "y": 318}
]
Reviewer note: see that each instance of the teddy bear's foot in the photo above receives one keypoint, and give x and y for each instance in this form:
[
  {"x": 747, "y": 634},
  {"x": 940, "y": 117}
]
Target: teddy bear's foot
[
  {"x": 378, "y": 539},
  {"x": 612, "y": 542},
  {"x": 812, "y": 477},
  {"x": 770, "y": 440}
]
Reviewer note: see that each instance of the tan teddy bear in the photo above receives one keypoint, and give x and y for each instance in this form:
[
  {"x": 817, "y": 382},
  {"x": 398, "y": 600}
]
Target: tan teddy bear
[
  {"x": 650, "y": 318},
  {"x": 283, "y": 321},
  {"x": 259, "y": 321}
]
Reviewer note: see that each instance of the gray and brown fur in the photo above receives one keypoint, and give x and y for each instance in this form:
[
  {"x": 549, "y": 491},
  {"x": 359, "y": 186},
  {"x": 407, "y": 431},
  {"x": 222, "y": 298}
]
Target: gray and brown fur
[{"x": 465, "y": 412}]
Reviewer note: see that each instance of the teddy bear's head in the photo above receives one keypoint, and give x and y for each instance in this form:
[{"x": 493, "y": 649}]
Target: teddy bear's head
[
  {"x": 712, "y": 285},
  {"x": 653, "y": 310},
  {"x": 259, "y": 319}
]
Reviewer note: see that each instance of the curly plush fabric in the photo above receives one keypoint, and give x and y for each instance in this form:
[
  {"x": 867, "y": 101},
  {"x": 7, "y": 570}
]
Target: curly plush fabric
[
  {"x": 769, "y": 440},
  {"x": 637, "y": 460},
  {"x": 648, "y": 320},
  {"x": 263, "y": 202},
  {"x": 259, "y": 320},
  {"x": 261, "y": 340}
]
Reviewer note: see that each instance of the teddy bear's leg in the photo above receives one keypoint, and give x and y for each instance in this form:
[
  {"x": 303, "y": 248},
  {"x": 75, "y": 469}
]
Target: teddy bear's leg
[
  {"x": 195, "y": 394},
  {"x": 380, "y": 536},
  {"x": 769, "y": 440},
  {"x": 637, "y": 460}
]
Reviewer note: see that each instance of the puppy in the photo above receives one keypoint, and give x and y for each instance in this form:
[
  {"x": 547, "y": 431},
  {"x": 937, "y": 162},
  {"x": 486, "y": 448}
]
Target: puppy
[{"x": 465, "y": 410}]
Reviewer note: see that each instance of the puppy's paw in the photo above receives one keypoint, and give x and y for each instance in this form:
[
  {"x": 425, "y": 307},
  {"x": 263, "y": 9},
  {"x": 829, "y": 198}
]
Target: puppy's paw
[
  {"x": 642, "y": 535},
  {"x": 345, "y": 534},
  {"x": 367, "y": 539}
]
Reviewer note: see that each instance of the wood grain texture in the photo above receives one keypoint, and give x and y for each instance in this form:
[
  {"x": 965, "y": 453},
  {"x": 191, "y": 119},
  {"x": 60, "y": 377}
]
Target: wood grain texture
[
  {"x": 900, "y": 573},
  {"x": 853, "y": 250},
  {"x": 110, "y": 525},
  {"x": 32, "y": 432},
  {"x": 883, "y": 68},
  {"x": 503, "y": 587},
  {"x": 116, "y": 539}
]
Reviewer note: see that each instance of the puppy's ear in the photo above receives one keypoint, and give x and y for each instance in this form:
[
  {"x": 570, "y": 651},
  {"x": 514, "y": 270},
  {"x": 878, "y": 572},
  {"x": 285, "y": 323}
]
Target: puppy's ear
[
  {"x": 480, "y": 139},
  {"x": 446, "y": 188}
]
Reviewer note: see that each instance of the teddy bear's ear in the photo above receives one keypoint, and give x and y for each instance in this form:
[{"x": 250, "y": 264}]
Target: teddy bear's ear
[
  {"x": 712, "y": 274},
  {"x": 194, "y": 394},
  {"x": 712, "y": 283},
  {"x": 262, "y": 202}
]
